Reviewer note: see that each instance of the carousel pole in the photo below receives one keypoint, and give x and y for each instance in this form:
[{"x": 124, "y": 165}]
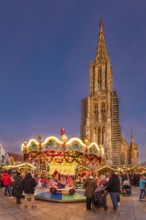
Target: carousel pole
[{"x": 40, "y": 142}]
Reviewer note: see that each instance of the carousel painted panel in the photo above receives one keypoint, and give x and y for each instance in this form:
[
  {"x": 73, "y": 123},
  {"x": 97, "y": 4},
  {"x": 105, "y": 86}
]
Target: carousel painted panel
[
  {"x": 52, "y": 144},
  {"x": 75, "y": 144},
  {"x": 32, "y": 146}
]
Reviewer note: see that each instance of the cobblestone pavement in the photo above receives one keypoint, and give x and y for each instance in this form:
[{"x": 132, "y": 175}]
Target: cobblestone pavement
[{"x": 130, "y": 209}]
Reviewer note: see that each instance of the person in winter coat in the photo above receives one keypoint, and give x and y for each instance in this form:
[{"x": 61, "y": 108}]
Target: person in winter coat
[
  {"x": 7, "y": 182},
  {"x": 142, "y": 184},
  {"x": 18, "y": 187},
  {"x": 28, "y": 186},
  {"x": 90, "y": 185},
  {"x": 113, "y": 187}
]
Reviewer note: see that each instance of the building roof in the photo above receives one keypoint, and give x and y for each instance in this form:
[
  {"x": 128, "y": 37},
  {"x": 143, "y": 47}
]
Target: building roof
[{"x": 16, "y": 157}]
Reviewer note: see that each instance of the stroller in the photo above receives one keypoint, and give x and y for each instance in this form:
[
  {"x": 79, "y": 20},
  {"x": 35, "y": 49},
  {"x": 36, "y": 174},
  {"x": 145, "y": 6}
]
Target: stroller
[
  {"x": 126, "y": 188},
  {"x": 99, "y": 199}
]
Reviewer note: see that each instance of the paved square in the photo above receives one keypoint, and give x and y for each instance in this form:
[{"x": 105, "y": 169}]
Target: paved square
[{"x": 130, "y": 209}]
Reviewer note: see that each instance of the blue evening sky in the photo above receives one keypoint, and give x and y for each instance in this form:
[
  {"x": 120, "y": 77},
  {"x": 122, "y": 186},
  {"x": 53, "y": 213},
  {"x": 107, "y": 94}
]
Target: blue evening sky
[{"x": 45, "y": 50}]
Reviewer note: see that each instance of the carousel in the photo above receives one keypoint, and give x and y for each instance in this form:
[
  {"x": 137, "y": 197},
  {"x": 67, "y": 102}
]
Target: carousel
[
  {"x": 62, "y": 158},
  {"x": 62, "y": 154}
]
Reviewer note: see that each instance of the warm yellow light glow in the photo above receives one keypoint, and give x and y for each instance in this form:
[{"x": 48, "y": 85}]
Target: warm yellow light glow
[
  {"x": 111, "y": 168},
  {"x": 52, "y": 138},
  {"x": 22, "y": 146},
  {"x": 137, "y": 166},
  {"x": 75, "y": 139},
  {"x": 20, "y": 165},
  {"x": 102, "y": 150},
  {"x": 31, "y": 141},
  {"x": 68, "y": 143},
  {"x": 84, "y": 167},
  {"x": 94, "y": 144},
  {"x": 64, "y": 168}
]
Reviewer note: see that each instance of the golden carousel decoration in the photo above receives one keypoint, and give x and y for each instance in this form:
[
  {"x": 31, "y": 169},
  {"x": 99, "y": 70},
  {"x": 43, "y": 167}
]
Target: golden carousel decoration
[{"x": 62, "y": 154}]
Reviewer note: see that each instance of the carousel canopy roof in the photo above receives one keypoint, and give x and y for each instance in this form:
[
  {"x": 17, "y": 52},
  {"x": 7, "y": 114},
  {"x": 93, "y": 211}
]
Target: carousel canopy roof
[{"x": 54, "y": 144}]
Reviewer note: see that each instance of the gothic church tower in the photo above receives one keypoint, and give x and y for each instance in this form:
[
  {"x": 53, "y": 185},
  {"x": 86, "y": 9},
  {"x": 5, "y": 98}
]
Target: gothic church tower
[{"x": 100, "y": 110}]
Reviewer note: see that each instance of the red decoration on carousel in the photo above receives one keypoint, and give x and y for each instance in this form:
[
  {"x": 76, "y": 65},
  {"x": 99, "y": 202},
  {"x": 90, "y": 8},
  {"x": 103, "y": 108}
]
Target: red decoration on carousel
[
  {"x": 62, "y": 131},
  {"x": 86, "y": 150},
  {"x": 63, "y": 146},
  {"x": 99, "y": 159},
  {"x": 30, "y": 158}
]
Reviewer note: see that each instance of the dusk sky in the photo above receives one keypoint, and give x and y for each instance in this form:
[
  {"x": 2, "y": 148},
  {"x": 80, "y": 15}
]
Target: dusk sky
[{"x": 45, "y": 50}]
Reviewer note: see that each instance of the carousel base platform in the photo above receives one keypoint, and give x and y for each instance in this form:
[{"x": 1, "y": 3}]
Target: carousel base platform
[{"x": 44, "y": 194}]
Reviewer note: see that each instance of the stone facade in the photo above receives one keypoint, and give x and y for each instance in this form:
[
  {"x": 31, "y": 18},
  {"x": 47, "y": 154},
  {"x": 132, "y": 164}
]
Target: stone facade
[{"x": 100, "y": 110}]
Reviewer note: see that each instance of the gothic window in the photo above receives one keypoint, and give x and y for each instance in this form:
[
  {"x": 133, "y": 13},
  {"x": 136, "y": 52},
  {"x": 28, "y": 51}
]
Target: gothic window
[
  {"x": 96, "y": 112},
  {"x": 95, "y": 134},
  {"x": 99, "y": 79},
  {"x": 99, "y": 136},
  {"x": 103, "y": 135},
  {"x": 103, "y": 115}
]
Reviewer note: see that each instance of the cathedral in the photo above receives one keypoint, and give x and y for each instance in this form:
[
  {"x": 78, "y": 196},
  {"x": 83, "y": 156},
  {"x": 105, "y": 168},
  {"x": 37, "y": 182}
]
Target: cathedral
[{"x": 100, "y": 111}]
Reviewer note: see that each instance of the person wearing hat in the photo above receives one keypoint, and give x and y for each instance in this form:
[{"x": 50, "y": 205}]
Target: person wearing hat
[
  {"x": 90, "y": 185},
  {"x": 113, "y": 187}
]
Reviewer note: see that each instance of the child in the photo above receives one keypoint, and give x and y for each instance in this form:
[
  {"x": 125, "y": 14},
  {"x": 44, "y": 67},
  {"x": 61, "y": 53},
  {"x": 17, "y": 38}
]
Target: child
[
  {"x": 48, "y": 183},
  {"x": 43, "y": 181}
]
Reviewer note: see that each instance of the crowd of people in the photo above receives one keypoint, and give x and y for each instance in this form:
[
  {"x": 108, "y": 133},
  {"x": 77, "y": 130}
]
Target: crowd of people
[
  {"x": 20, "y": 186},
  {"x": 110, "y": 183},
  {"x": 23, "y": 186},
  {"x": 114, "y": 184}
]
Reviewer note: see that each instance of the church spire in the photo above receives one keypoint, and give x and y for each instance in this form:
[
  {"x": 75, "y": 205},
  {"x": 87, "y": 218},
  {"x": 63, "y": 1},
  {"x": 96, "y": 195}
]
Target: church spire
[
  {"x": 101, "y": 52},
  {"x": 132, "y": 136}
]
